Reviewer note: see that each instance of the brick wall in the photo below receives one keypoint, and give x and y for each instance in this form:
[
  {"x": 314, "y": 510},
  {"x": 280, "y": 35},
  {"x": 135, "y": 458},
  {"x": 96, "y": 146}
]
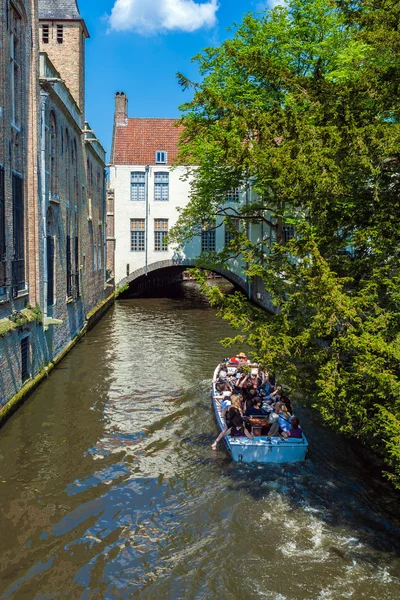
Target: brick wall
[
  {"x": 62, "y": 172},
  {"x": 69, "y": 56},
  {"x": 18, "y": 158}
]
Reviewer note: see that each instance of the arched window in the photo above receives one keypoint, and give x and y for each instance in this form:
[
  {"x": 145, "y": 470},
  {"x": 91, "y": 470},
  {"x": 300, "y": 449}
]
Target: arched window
[{"x": 53, "y": 151}]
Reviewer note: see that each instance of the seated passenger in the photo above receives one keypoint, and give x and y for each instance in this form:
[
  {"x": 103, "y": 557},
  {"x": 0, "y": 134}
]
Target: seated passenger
[
  {"x": 236, "y": 429},
  {"x": 242, "y": 358},
  {"x": 269, "y": 385},
  {"x": 226, "y": 403},
  {"x": 256, "y": 409},
  {"x": 274, "y": 429},
  {"x": 223, "y": 386},
  {"x": 283, "y": 416},
  {"x": 286, "y": 402},
  {"x": 237, "y": 402},
  {"x": 296, "y": 431}
]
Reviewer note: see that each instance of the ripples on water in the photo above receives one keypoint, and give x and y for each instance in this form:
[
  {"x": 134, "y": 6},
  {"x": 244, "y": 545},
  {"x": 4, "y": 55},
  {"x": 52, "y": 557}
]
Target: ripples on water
[{"x": 109, "y": 488}]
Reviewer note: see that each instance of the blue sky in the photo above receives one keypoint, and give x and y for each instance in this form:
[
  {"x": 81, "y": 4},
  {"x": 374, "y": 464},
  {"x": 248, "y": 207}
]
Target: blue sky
[{"x": 142, "y": 46}]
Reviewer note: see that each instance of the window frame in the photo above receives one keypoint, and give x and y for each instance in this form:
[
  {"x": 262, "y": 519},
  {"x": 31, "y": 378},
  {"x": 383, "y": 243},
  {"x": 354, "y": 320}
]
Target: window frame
[
  {"x": 208, "y": 238},
  {"x": 160, "y": 235},
  {"x": 235, "y": 221},
  {"x": 60, "y": 33},
  {"x": 3, "y": 246},
  {"x": 161, "y": 186},
  {"x": 45, "y": 33},
  {"x": 26, "y": 373},
  {"x": 18, "y": 209},
  {"x": 139, "y": 186},
  {"x": 232, "y": 196},
  {"x": 161, "y": 157},
  {"x": 138, "y": 235}
]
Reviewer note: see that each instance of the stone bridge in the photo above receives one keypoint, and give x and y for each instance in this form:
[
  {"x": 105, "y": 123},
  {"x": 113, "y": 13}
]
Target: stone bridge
[{"x": 176, "y": 266}]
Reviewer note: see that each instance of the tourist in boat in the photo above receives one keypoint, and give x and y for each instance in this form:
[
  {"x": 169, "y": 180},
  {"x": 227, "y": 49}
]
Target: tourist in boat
[
  {"x": 270, "y": 387},
  {"x": 223, "y": 386},
  {"x": 239, "y": 359},
  {"x": 295, "y": 431},
  {"x": 228, "y": 415},
  {"x": 242, "y": 358},
  {"x": 274, "y": 430},
  {"x": 283, "y": 416},
  {"x": 226, "y": 399},
  {"x": 237, "y": 428},
  {"x": 286, "y": 402},
  {"x": 256, "y": 409}
]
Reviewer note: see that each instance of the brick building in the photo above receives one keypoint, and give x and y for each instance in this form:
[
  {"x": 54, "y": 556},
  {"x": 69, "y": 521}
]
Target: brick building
[
  {"x": 19, "y": 251},
  {"x": 52, "y": 193}
]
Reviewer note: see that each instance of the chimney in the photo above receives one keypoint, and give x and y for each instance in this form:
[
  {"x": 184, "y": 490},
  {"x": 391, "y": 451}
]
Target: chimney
[{"x": 121, "y": 109}]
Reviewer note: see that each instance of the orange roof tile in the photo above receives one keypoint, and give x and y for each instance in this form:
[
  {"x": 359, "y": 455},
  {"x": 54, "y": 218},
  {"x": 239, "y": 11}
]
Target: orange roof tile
[{"x": 137, "y": 142}]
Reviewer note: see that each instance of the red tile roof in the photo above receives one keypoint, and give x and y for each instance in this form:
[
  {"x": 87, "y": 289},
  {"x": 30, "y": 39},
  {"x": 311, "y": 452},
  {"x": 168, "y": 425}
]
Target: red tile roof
[{"x": 137, "y": 142}]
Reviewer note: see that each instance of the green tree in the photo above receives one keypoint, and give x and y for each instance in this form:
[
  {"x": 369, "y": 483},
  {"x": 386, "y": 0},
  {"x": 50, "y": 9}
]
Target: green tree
[{"x": 303, "y": 102}]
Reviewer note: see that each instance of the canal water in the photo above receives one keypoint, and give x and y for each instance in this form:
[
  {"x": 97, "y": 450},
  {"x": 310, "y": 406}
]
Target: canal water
[{"x": 109, "y": 487}]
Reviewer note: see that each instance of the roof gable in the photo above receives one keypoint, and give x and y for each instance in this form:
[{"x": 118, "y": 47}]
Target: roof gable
[{"x": 137, "y": 142}]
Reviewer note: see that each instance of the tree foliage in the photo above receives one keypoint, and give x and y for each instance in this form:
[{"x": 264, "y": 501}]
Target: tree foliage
[{"x": 302, "y": 103}]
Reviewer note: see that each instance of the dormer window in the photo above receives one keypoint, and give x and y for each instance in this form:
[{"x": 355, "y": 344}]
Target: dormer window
[
  {"x": 161, "y": 157},
  {"x": 60, "y": 34}
]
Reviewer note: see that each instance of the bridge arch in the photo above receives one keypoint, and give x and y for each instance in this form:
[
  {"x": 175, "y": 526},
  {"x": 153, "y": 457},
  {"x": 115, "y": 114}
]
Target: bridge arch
[{"x": 180, "y": 266}]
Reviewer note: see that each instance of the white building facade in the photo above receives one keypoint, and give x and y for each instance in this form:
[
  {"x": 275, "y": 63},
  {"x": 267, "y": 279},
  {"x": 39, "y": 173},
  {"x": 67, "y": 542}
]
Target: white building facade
[{"x": 147, "y": 190}]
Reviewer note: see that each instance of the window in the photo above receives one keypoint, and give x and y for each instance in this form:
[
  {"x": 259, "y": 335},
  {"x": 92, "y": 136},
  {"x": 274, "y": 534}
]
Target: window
[
  {"x": 69, "y": 267},
  {"x": 95, "y": 256},
  {"x": 53, "y": 156},
  {"x": 229, "y": 230},
  {"x": 288, "y": 233},
  {"x": 50, "y": 270},
  {"x": 76, "y": 249},
  {"x": 45, "y": 34},
  {"x": 15, "y": 76},
  {"x": 99, "y": 248},
  {"x": 66, "y": 162},
  {"x": 233, "y": 195},
  {"x": 2, "y": 232},
  {"x": 18, "y": 264},
  {"x": 161, "y": 157},
  {"x": 161, "y": 186},
  {"x": 137, "y": 186},
  {"x": 160, "y": 235},
  {"x": 60, "y": 34},
  {"x": 25, "y": 359},
  {"x": 208, "y": 238},
  {"x": 137, "y": 235}
]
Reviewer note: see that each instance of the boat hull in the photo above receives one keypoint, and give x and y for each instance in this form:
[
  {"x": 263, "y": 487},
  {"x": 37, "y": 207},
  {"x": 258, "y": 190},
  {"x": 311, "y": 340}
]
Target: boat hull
[{"x": 261, "y": 449}]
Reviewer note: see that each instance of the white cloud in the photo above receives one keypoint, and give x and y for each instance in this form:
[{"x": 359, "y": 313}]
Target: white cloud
[
  {"x": 151, "y": 16},
  {"x": 270, "y": 4}
]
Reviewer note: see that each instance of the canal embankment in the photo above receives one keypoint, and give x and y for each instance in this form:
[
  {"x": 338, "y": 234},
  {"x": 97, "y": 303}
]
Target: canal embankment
[{"x": 42, "y": 371}]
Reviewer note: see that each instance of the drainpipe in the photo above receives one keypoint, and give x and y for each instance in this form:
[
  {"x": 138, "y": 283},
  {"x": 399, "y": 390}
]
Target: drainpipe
[
  {"x": 146, "y": 224},
  {"x": 248, "y": 233},
  {"x": 43, "y": 102}
]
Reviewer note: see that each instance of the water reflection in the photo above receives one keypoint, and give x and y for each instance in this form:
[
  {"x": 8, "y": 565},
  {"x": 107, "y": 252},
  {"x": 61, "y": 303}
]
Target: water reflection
[{"x": 112, "y": 490}]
